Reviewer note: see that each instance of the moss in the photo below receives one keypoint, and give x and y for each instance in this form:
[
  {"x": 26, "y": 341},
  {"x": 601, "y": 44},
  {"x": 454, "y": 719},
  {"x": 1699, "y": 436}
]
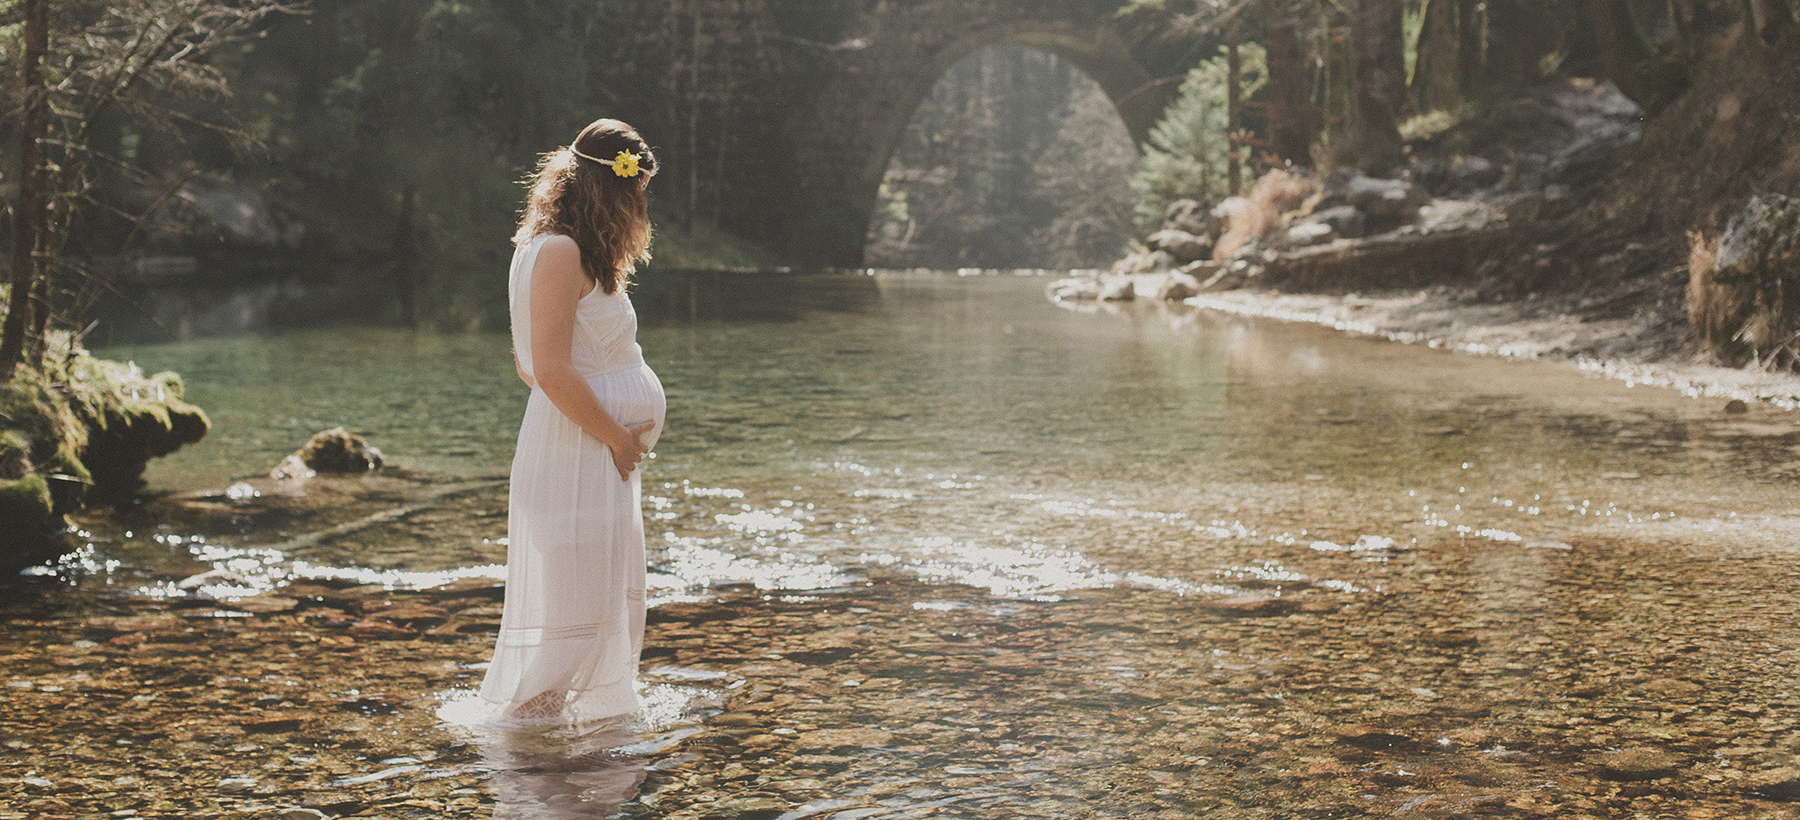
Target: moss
[
  {"x": 80, "y": 427},
  {"x": 29, "y": 537},
  {"x": 26, "y": 502}
]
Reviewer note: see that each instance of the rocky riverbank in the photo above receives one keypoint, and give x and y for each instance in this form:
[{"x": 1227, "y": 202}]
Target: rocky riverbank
[{"x": 1512, "y": 234}]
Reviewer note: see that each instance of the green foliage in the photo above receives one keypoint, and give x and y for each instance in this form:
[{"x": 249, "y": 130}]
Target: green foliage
[
  {"x": 364, "y": 105},
  {"x": 1187, "y": 152},
  {"x": 1015, "y": 159},
  {"x": 701, "y": 246},
  {"x": 84, "y": 420},
  {"x": 1412, "y": 23}
]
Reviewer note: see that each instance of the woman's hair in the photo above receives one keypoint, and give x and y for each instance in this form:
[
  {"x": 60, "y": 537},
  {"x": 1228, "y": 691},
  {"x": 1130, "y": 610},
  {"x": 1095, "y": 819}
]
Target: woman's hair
[{"x": 606, "y": 214}]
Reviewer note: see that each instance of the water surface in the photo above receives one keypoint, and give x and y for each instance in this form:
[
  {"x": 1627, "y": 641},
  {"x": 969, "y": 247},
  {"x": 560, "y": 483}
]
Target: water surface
[{"x": 930, "y": 545}]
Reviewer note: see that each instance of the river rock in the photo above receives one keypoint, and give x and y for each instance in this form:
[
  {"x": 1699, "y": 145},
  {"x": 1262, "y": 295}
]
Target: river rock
[
  {"x": 1178, "y": 286},
  {"x": 1366, "y": 736},
  {"x": 265, "y": 604},
  {"x": 1744, "y": 297},
  {"x": 291, "y": 468},
  {"x": 1310, "y": 233},
  {"x": 1636, "y": 764},
  {"x": 829, "y": 739},
  {"x": 1251, "y": 606},
  {"x": 1191, "y": 216},
  {"x": 212, "y": 578},
  {"x": 1074, "y": 288},
  {"x": 1386, "y": 203},
  {"x": 1345, "y": 220},
  {"x": 1118, "y": 289},
  {"x": 339, "y": 451},
  {"x": 1474, "y": 173},
  {"x": 1776, "y": 784},
  {"x": 1225, "y": 211},
  {"x": 301, "y": 814},
  {"x": 1148, "y": 262},
  {"x": 380, "y": 631},
  {"x": 1184, "y": 246},
  {"x": 237, "y": 785}
]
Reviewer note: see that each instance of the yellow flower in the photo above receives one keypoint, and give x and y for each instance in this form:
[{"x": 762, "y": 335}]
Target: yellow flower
[{"x": 625, "y": 164}]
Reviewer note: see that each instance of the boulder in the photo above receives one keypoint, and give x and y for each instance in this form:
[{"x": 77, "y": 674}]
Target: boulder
[
  {"x": 1310, "y": 232},
  {"x": 1149, "y": 262},
  {"x": 1744, "y": 293},
  {"x": 1118, "y": 289},
  {"x": 1178, "y": 286},
  {"x": 1183, "y": 245},
  {"x": 237, "y": 213},
  {"x": 1386, "y": 203},
  {"x": 1344, "y": 220},
  {"x": 1474, "y": 173},
  {"x": 290, "y": 468},
  {"x": 1227, "y": 209},
  {"x": 339, "y": 451},
  {"x": 1190, "y": 215},
  {"x": 1074, "y": 288}
]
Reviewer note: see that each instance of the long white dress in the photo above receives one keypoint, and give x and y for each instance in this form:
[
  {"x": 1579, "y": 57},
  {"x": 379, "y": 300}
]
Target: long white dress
[{"x": 573, "y": 624}]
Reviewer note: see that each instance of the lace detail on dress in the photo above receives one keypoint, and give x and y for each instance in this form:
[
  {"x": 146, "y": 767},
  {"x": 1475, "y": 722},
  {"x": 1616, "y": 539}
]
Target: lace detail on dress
[{"x": 534, "y": 635}]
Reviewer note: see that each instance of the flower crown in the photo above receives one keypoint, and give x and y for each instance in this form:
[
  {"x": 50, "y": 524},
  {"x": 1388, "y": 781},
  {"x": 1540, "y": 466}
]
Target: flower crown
[{"x": 624, "y": 165}]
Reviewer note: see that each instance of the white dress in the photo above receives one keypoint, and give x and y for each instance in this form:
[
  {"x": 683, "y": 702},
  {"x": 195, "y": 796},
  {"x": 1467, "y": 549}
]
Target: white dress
[{"x": 573, "y": 625}]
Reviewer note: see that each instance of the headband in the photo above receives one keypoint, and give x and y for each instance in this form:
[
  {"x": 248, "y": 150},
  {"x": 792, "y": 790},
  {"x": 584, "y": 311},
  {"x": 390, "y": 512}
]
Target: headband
[{"x": 625, "y": 164}]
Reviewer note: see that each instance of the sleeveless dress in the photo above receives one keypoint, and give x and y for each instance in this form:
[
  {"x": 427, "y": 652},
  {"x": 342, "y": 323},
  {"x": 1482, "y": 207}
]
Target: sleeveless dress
[{"x": 573, "y": 623}]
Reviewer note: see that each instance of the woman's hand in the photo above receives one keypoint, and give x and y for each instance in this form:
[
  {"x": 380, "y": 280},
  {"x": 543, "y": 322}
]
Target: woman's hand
[{"x": 627, "y": 454}]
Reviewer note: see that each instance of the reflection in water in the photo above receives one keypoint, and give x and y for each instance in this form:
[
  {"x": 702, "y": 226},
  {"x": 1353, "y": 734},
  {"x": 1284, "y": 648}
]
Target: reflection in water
[
  {"x": 575, "y": 772},
  {"x": 561, "y": 775}
]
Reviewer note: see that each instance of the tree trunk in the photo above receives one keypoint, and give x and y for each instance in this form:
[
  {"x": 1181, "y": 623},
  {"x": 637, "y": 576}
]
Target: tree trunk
[
  {"x": 1437, "y": 73},
  {"x": 34, "y": 185},
  {"x": 1628, "y": 59},
  {"x": 1377, "y": 86},
  {"x": 1519, "y": 33},
  {"x": 1770, "y": 19},
  {"x": 1471, "y": 44},
  {"x": 1234, "y": 115},
  {"x": 1291, "y": 117}
]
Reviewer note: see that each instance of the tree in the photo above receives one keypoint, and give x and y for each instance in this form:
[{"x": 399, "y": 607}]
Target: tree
[
  {"x": 79, "y": 65},
  {"x": 1377, "y": 86},
  {"x": 1187, "y": 155}
]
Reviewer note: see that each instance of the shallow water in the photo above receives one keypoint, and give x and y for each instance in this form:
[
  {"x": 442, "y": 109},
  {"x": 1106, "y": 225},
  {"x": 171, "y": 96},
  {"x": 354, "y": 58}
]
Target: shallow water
[{"x": 929, "y": 545}]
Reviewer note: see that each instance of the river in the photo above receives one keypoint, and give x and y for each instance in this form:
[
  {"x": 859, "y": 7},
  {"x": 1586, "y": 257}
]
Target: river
[{"x": 925, "y": 544}]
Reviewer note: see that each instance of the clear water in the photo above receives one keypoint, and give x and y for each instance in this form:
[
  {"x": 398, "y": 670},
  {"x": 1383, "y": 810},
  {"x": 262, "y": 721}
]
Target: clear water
[{"x": 990, "y": 556}]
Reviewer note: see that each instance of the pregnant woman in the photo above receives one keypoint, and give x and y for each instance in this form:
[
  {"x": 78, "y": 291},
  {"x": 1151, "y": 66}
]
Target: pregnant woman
[{"x": 574, "y": 619}]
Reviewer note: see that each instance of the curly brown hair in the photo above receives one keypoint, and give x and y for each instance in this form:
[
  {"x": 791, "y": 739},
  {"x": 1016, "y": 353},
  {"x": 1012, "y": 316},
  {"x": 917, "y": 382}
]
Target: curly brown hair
[{"x": 606, "y": 214}]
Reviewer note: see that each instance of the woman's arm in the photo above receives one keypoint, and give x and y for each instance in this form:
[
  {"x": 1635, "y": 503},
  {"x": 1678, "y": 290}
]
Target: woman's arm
[{"x": 557, "y": 283}]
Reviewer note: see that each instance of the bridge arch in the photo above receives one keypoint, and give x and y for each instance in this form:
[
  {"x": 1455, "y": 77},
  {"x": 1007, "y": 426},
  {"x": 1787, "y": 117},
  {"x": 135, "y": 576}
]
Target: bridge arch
[{"x": 844, "y": 142}]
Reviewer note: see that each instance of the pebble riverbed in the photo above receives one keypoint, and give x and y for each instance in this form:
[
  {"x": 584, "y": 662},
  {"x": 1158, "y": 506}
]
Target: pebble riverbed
[{"x": 1148, "y": 563}]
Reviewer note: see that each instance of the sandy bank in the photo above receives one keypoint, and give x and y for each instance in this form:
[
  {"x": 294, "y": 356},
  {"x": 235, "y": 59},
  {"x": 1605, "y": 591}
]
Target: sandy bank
[{"x": 1633, "y": 349}]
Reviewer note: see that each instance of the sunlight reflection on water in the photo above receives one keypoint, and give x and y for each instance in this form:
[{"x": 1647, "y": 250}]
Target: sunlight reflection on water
[{"x": 1197, "y": 555}]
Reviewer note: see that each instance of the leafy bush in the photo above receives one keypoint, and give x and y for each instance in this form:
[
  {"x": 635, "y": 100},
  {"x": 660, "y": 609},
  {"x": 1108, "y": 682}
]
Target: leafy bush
[{"x": 1187, "y": 152}]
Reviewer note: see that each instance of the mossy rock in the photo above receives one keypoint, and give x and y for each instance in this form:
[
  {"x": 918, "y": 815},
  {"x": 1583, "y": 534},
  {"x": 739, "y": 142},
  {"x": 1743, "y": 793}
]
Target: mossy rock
[
  {"x": 29, "y": 537},
  {"x": 80, "y": 427}
]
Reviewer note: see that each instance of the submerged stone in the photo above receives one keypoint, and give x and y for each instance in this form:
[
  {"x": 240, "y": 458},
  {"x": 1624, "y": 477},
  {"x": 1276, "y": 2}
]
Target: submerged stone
[
  {"x": 339, "y": 451},
  {"x": 1636, "y": 764}
]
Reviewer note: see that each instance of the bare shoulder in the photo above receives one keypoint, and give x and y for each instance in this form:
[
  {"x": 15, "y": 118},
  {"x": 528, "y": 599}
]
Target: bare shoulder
[
  {"x": 559, "y": 249},
  {"x": 559, "y": 241},
  {"x": 558, "y": 265}
]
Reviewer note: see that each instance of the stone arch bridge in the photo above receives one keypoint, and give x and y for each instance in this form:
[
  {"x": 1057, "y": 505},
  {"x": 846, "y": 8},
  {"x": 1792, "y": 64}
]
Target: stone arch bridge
[{"x": 779, "y": 116}]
